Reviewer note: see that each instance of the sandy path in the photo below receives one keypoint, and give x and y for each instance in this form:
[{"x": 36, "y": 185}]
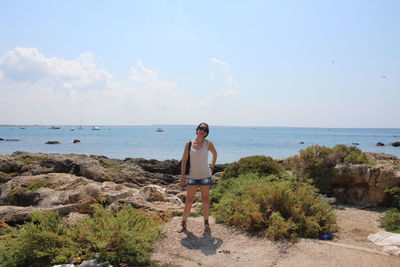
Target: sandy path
[{"x": 224, "y": 246}]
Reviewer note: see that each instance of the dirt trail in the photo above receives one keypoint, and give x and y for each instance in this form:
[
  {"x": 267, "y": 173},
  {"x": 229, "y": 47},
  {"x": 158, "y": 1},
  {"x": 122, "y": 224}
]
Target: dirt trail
[{"x": 224, "y": 246}]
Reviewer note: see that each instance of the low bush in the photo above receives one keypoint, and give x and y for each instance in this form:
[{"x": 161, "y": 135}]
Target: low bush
[
  {"x": 348, "y": 155},
  {"x": 391, "y": 220},
  {"x": 395, "y": 195},
  {"x": 260, "y": 165},
  {"x": 125, "y": 237},
  {"x": 225, "y": 185},
  {"x": 317, "y": 163},
  {"x": 40, "y": 242},
  {"x": 273, "y": 208}
]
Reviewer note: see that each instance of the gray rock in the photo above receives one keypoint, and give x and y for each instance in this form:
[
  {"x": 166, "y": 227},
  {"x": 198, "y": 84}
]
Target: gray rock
[
  {"x": 365, "y": 185},
  {"x": 153, "y": 193},
  {"x": 9, "y": 164},
  {"x": 395, "y": 144},
  {"x": 89, "y": 263},
  {"x": 171, "y": 167},
  {"x": 52, "y": 142},
  {"x": 57, "y": 190}
]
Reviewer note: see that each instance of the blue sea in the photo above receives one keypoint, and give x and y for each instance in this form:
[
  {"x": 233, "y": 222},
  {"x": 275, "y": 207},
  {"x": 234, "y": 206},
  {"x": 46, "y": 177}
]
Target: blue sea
[{"x": 232, "y": 143}]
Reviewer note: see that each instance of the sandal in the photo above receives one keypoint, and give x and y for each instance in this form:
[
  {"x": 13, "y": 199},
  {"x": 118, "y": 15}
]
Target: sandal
[
  {"x": 182, "y": 228},
  {"x": 206, "y": 226}
]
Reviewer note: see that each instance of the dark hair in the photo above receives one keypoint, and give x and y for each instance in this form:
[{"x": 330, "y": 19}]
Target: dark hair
[{"x": 203, "y": 123}]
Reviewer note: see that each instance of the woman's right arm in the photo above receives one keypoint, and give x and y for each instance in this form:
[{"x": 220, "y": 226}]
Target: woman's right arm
[{"x": 183, "y": 165}]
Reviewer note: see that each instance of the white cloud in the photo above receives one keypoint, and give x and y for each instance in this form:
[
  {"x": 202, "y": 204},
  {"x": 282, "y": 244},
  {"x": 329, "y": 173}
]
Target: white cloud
[
  {"x": 222, "y": 68},
  {"x": 141, "y": 74},
  {"x": 154, "y": 92},
  {"x": 28, "y": 65},
  {"x": 221, "y": 65},
  {"x": 39, "y": 89}
]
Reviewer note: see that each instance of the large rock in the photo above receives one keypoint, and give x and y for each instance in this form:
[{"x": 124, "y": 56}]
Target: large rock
[
  {"x": 16, "y": 215},
  {"x": 171, "y": 167},
  {"x": 52, "y": 189},
  {"x": 153, "y": 193},
  {"x": 80, "y": 165},
  {"x": 152, "y": 165},
  {"x": 395, "y": 144},
  {"x": 97, "y": 168},
  {"x": 364, "y": 185},
  {"x": 164, "y": 210},
  {"x": 64, "y": 193},
  {"x": 9, "y": 164},
  {"x": 53, "y": 142}
]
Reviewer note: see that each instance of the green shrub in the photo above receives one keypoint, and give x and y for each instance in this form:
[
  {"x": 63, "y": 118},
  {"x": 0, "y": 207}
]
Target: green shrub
[
  {"x": 356, "y": 158},
  {"x": 317, "y": 163},
  {"x": 224, "y": 185},
  {"x": 222, "y": 188},
  {"x": 124, "y": 237},
  {"x": 38, "y": 243},
  {"x": 277, "y": 209},
  {"x": 348, "y": 155},
  {"x": 261, "y": 165},
  {"x": 391, "y": 221},
  {"x": 395, "y": 194}
]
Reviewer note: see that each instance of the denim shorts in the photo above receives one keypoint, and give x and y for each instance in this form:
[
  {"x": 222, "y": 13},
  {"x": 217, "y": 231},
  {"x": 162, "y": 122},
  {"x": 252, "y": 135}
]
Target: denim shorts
[{"x": 205, "y": 181}]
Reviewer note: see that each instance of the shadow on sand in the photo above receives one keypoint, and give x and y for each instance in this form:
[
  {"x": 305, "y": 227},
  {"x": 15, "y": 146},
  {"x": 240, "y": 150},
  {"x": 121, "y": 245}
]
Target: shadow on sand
[{"x": 206, "y": 243}]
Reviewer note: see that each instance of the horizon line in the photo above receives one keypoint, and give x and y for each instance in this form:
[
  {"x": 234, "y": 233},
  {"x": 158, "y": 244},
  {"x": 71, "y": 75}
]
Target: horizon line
[{"x": 174, "y": 125}]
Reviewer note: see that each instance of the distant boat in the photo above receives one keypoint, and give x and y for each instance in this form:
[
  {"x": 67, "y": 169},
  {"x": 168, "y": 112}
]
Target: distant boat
[
  {"x": 159, "y": 130},
  {"x": 54, "y": 127},
  {"x": 80, "y": 128},
  {"x": 22, "y": 127},
  {"x": 72, "y": 129},
  {"x": 95, "y": 128}
]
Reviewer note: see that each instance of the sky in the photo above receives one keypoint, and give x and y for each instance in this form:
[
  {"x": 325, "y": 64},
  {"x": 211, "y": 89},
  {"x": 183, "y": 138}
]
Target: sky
[{"x": 326, "y": 63}]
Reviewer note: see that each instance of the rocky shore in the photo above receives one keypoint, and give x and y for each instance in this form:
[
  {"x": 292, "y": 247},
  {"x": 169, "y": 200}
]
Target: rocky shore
[{"x": 71, "y": 183}]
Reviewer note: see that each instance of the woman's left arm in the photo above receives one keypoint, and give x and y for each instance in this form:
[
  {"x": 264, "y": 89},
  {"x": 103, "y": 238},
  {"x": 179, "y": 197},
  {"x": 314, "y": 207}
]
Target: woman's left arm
[{"x": 214, "y": 155}]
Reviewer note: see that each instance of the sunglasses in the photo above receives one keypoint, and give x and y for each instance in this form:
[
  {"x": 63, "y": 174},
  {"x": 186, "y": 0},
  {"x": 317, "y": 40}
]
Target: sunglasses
[{"x": 203, "y": 129}]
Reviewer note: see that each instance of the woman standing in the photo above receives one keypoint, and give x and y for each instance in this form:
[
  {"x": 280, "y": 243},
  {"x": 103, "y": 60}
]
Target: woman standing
[{"x": 199, "y": 174}]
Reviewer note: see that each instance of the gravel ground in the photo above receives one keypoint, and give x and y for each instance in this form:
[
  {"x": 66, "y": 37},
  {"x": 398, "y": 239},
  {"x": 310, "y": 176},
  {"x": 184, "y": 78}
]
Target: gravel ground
[{"x": 225, "y": 246}]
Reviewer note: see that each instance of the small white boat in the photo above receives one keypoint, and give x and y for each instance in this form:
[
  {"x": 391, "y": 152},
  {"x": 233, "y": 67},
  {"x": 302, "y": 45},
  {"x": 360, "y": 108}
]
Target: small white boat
[
  {"x": 72, "y": 129},
  {"x": 159, "y": 130},
  {"x": 95, "y": 128},
  {"x": 22, "y": 127}
]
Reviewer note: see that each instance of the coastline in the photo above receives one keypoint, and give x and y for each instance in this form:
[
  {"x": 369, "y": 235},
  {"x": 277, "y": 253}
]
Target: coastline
[
  {"x": 232, "y": 143},
  {"x": 71, "y": 183}
]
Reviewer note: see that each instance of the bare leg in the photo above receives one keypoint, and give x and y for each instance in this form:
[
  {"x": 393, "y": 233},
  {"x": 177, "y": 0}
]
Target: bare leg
[
  {"x": 205, "y": 189},
  {"x": 190, "y": 195}
]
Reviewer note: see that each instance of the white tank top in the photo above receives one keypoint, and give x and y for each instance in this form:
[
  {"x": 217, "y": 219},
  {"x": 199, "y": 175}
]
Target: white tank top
[{"x": 199, "y": 168}]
